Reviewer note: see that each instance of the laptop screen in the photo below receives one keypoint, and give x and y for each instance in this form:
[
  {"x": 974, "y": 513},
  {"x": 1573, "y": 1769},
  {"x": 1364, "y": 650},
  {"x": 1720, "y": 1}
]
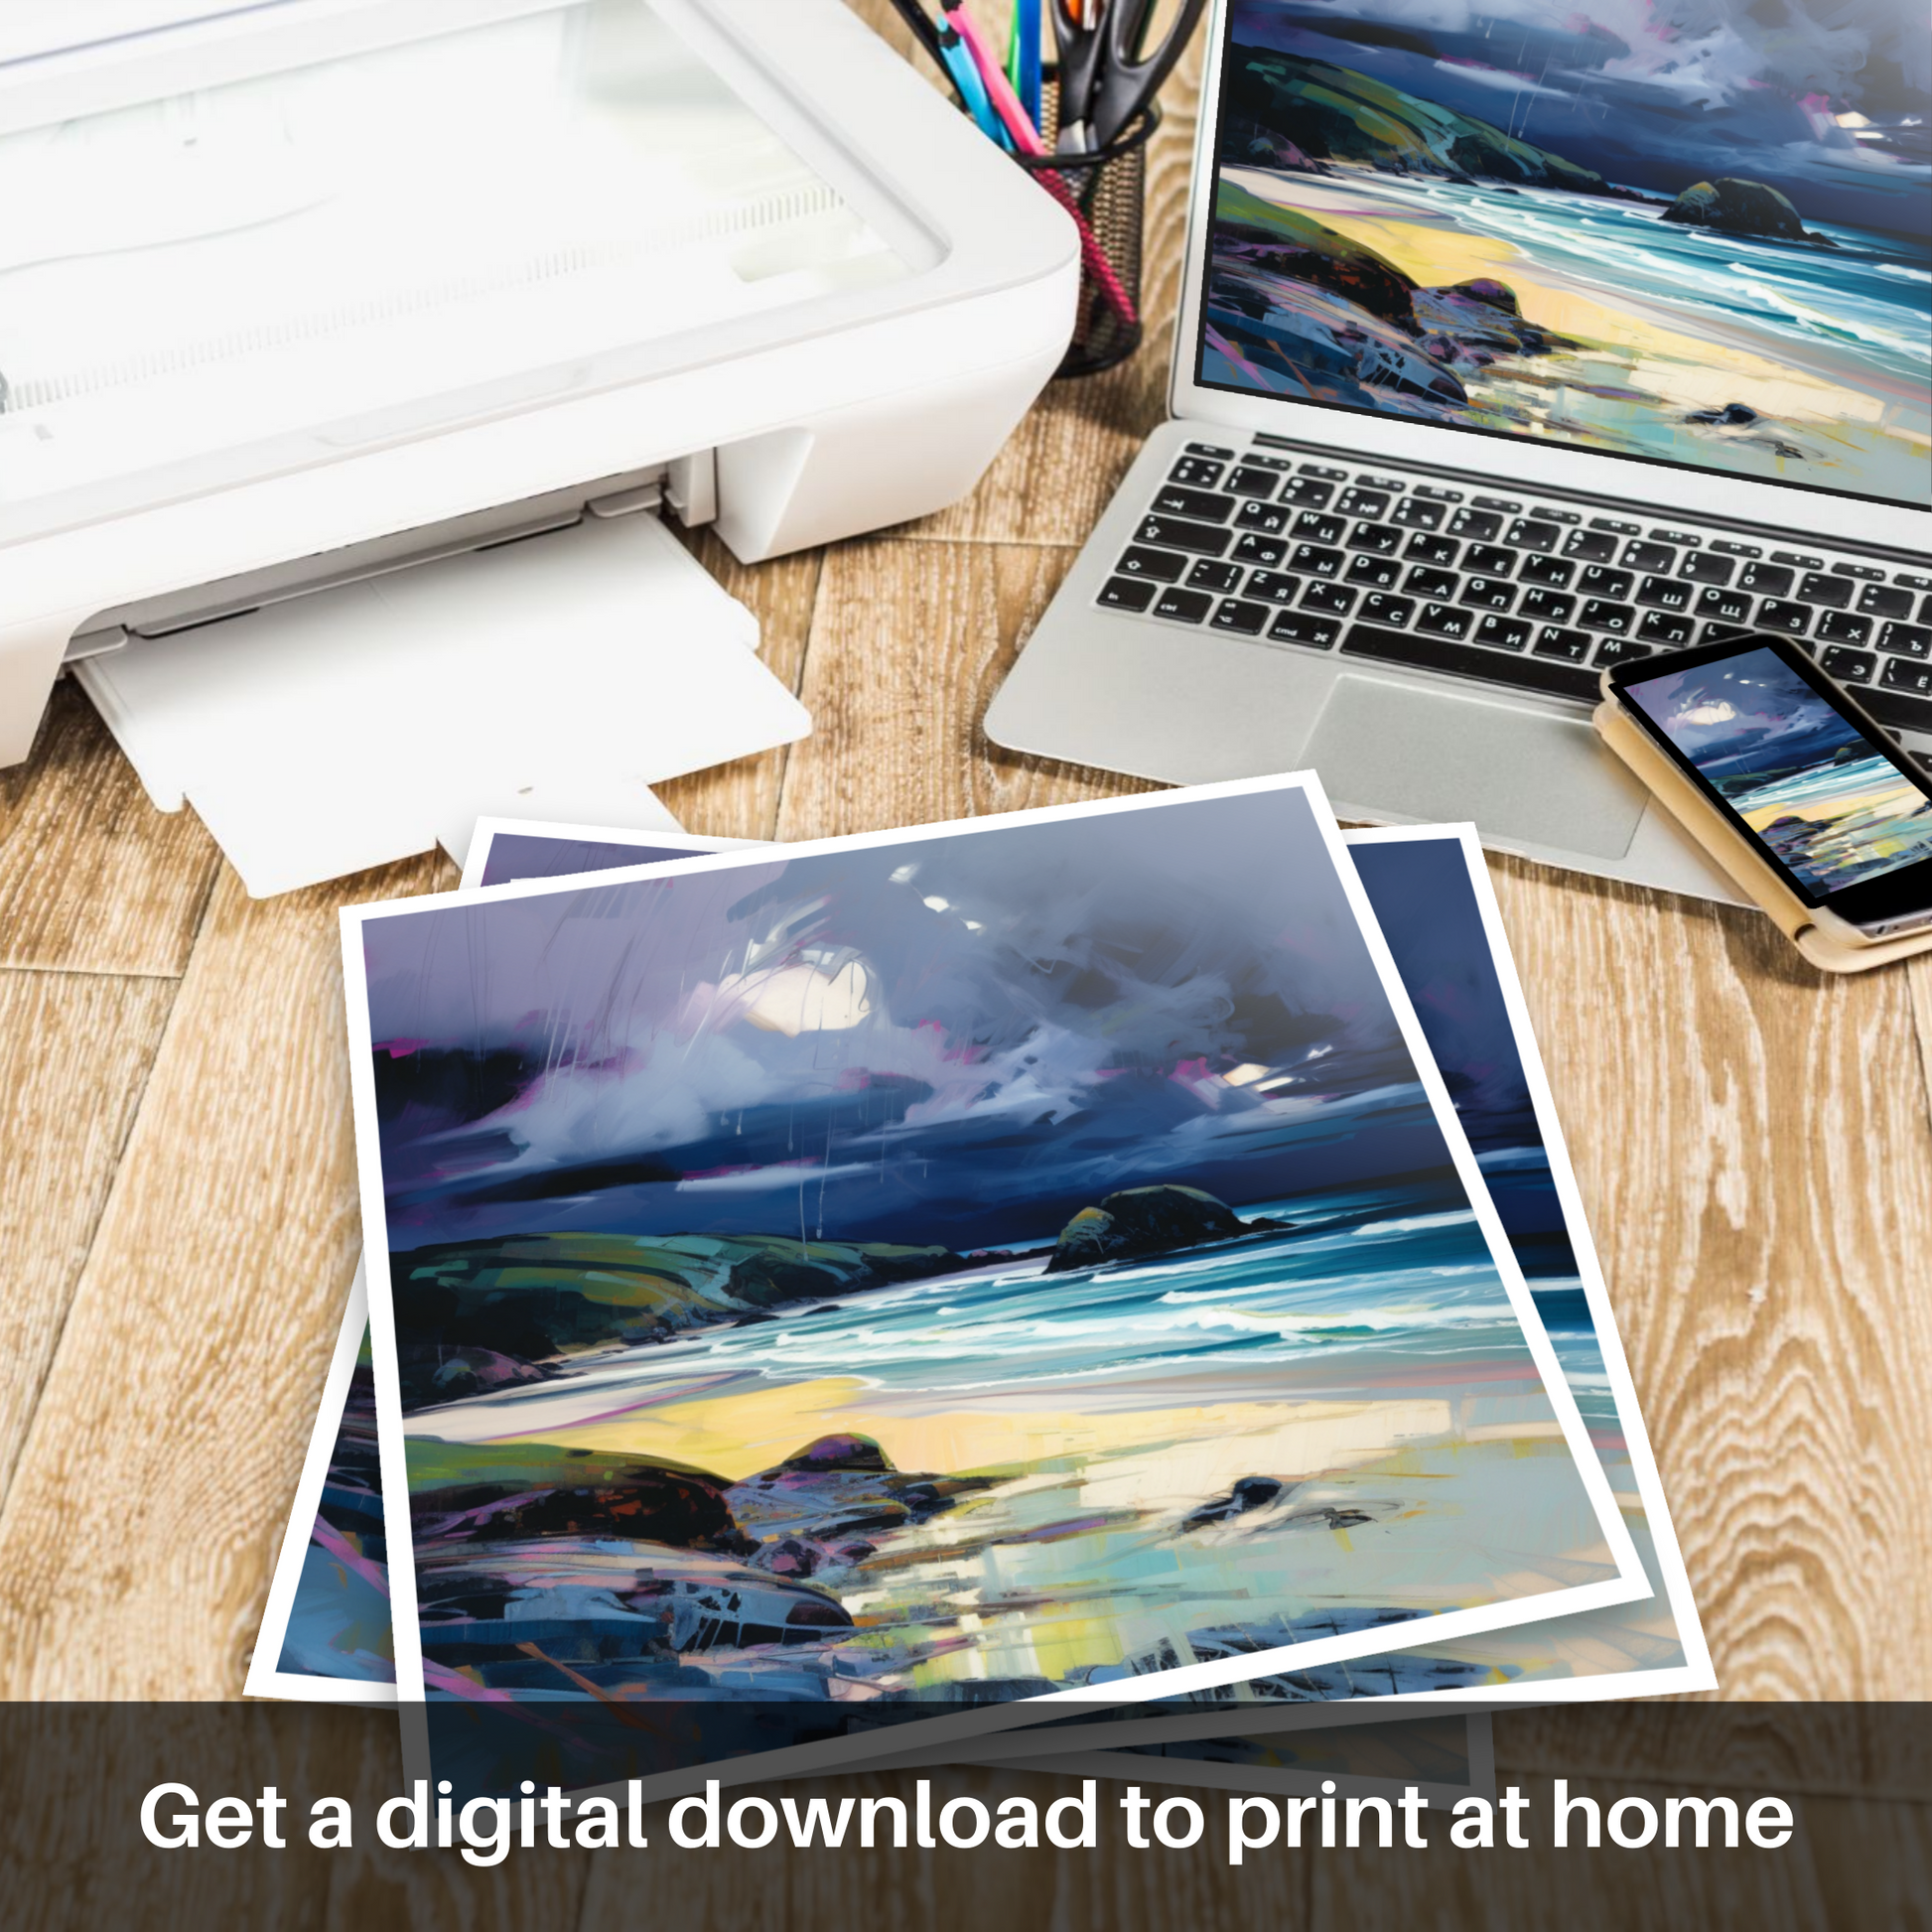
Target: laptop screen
[{"x": 1696, "y": 234}]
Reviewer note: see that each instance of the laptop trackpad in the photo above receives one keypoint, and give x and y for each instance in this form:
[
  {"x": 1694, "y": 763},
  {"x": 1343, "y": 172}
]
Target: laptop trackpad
[{"x": 1385, "y": 747}]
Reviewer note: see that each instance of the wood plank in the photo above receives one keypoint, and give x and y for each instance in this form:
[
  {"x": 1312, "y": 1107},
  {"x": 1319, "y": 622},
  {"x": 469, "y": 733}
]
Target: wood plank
[
  {"x": 151, "y": 1492},
  {"x": 946, "y": 1889},
  {"x": 92, "y": 878},
  {"x": 1753, "y": 1148},
  {"x": 910, "y": 642},
  {"x": 739, "y": 800},
  {"x": 75, "y": 1054},
  {"x": 1852, "y": 1864}
]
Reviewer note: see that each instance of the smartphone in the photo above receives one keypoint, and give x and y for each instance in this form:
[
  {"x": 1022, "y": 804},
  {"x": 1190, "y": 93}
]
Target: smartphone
[{"x": 1824, "y": 795}]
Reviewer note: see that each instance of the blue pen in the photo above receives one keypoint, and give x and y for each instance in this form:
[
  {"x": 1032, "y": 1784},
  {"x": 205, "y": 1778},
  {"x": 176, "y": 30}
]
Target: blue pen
[
  {"x": 972, "y": 89},
  {"x": 1025, "y": 81}
]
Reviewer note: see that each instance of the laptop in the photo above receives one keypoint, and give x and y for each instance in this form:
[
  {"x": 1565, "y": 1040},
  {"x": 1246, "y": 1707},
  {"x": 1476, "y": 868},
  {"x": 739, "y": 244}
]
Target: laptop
[{"x": 1515, "y": 342}]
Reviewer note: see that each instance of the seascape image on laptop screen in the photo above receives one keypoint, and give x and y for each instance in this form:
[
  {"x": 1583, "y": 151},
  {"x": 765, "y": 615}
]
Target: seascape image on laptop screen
[
  {"x": 957, "y": 1267},
  {"x": 1701, "y": 237},
  {"x": 1833, "y": 810}
]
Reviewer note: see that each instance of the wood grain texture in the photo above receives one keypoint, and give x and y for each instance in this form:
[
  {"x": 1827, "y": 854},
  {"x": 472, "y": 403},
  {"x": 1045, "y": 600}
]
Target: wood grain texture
[
  {"x": 1753, "y": 1145},
  {"x": 739, "y": 800},
  {"x": 92, "y": 878},
  {"x": 1850, "y": 1867},
  {"x": 910, "y": 642},
  {"x": 75, "y": 1054},
  {"x": 151, "y": 1491}
]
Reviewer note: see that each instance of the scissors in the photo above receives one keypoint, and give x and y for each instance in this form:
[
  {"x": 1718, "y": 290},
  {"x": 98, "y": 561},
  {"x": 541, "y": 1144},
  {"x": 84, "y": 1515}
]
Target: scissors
[{"x": 1107, "y": 76}]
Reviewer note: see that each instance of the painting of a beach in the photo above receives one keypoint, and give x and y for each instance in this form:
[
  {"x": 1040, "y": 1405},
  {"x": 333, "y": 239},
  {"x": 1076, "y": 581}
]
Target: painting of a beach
[
  {"x": 1826, "y": 802},
  {"x": 1704, "y": 243},
  {"x": 948, "y": 1269}
]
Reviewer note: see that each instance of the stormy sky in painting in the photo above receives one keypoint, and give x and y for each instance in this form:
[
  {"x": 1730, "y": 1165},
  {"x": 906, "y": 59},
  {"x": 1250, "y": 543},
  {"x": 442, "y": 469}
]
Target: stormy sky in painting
[
  {"x": 1827, "y": 103},
  {"x": 961, "y": 1039}
]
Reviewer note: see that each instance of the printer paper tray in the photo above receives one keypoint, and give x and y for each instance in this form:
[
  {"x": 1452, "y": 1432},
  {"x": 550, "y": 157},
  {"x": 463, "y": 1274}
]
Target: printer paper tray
[{"x": 555, "y": 677}]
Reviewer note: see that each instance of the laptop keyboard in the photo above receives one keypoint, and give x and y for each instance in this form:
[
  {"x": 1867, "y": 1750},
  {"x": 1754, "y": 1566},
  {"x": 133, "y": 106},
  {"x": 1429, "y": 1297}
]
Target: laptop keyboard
[{"x": 1527, "y": 593}]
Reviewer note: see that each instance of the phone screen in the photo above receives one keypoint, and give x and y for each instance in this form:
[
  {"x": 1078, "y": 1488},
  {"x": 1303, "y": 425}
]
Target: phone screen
[{"x": 1823, "y": 793}]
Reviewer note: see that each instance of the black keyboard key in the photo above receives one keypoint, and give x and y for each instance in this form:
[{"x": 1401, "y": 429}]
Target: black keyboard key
[
  {"x": 1127, "y": 592},
  {"x": 1335, "y": 600},
  {"x": 1309, "y": 469},
  {"x": 1486, "y": 594},
  {"x": 1780, "y": 613},
  {"x": 1236, "y": 614},
  {"x": 1185, "y": 607},
  {"x": 1665, "y": 628},
  {"x": 1440, "y": 654},
  {"x": 1901, "y": 675},
  {"x": 1848, "y": 666},
  {"x": 1274, "y": 584},
  {"x": 1591, "y": 546},
  {"x": 1701, "y": 567},
  {"x": 1431, "y": 583},
  {"x": 1834, "y": 593},
  {"x": 1247, "y": 481},
  {"x": 1269, "y": 518},
  {"x": 1598, "y": 581},
  {"x": 1172, "y": 500},
  {"x": 1551, "y": 571},
  {"x": 1308, "y": 493},
  {"x": 1911, "y": 580},
  {"x": 1316, "y": 561},
  {"x": 1503, "y": 634},
  {"x": 1209, "y": 449},
  {"x": 1599, "y": 614},
  {"x": 1299, "y": 628},
  {"x": 1210, "y": 574},
  {"x": 1727, "y": 607},
  {"x": 1384, "y": 539},
  {"x": 1619, "y": 651},
  {"x": 1160, "y": 565},
  {"x": 1730, "y": 550},
  {"x": 1925, "y": 612},
  {"x": 1489, "y": 560},
  {"x": 1394, "y": 612},
  {"x": 1546, "y": 606},
  {"x": 1425, "y": 549},
  {"x": 1418, "y": 514},
  {"x": 1282, "y": 465},
  {"x": 1555, "y": 641},
  {"x": 1723, "y": 633},
  {"x": 1175, "y": 533},
  {"x": 1528, "y": 534},
  {"x": 1665, "y": 593},
  {"x": 1445, "y": 621},
  {"x": 1842, "y": 627},
  {"x": 1907, "y": 640},
  {"x": 1312, "y": 527},
  {"x": 1648, "y": 556},
  {"x": 1379, "y": 573},
  {"x": 1197, "y": 472},
  {"x": 1479, "y": 524},
  {"x": 1797, "y": 559},
  {"x": 1363, "y": 502},
  {"x": 1768, "y": 580},
  {"x": 1897, "y": 709},
  {"x": 1251, "y": 548}
]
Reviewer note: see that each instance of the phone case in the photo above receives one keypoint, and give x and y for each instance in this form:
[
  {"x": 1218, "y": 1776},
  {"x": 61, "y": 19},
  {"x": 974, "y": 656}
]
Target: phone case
[{"x": 1737, "y": 857}]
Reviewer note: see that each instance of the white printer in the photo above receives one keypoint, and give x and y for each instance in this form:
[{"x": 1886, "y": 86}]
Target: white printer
[{"x": 307, "y": 301}]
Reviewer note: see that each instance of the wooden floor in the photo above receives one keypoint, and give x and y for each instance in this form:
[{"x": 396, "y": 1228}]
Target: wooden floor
[{"x": 179, "y": 1223}]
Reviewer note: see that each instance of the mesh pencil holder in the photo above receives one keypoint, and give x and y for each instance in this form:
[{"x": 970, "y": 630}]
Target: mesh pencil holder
[{"x": 1105, "y": 192}]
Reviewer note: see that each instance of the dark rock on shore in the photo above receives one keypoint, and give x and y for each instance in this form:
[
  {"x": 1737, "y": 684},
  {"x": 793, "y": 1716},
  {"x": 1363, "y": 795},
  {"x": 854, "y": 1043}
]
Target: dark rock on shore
[
  {"x": 1742, "y": 207},
  {"x": 546, "y": 1492},
  {"x": 821, "y": 1508},
  {"x": 1733, "y": 415},
  {"x": 1251, "y": 1492},
  {"x": 1140, "y": 1222}
]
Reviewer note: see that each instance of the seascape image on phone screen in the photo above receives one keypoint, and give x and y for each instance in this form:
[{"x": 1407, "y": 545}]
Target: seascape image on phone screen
[{"x": 1825, "y": 801}]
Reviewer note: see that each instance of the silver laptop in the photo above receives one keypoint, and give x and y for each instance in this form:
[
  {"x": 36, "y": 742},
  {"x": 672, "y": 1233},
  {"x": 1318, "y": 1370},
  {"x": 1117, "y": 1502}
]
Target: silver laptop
[{"x": 1514, "y": 343}]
